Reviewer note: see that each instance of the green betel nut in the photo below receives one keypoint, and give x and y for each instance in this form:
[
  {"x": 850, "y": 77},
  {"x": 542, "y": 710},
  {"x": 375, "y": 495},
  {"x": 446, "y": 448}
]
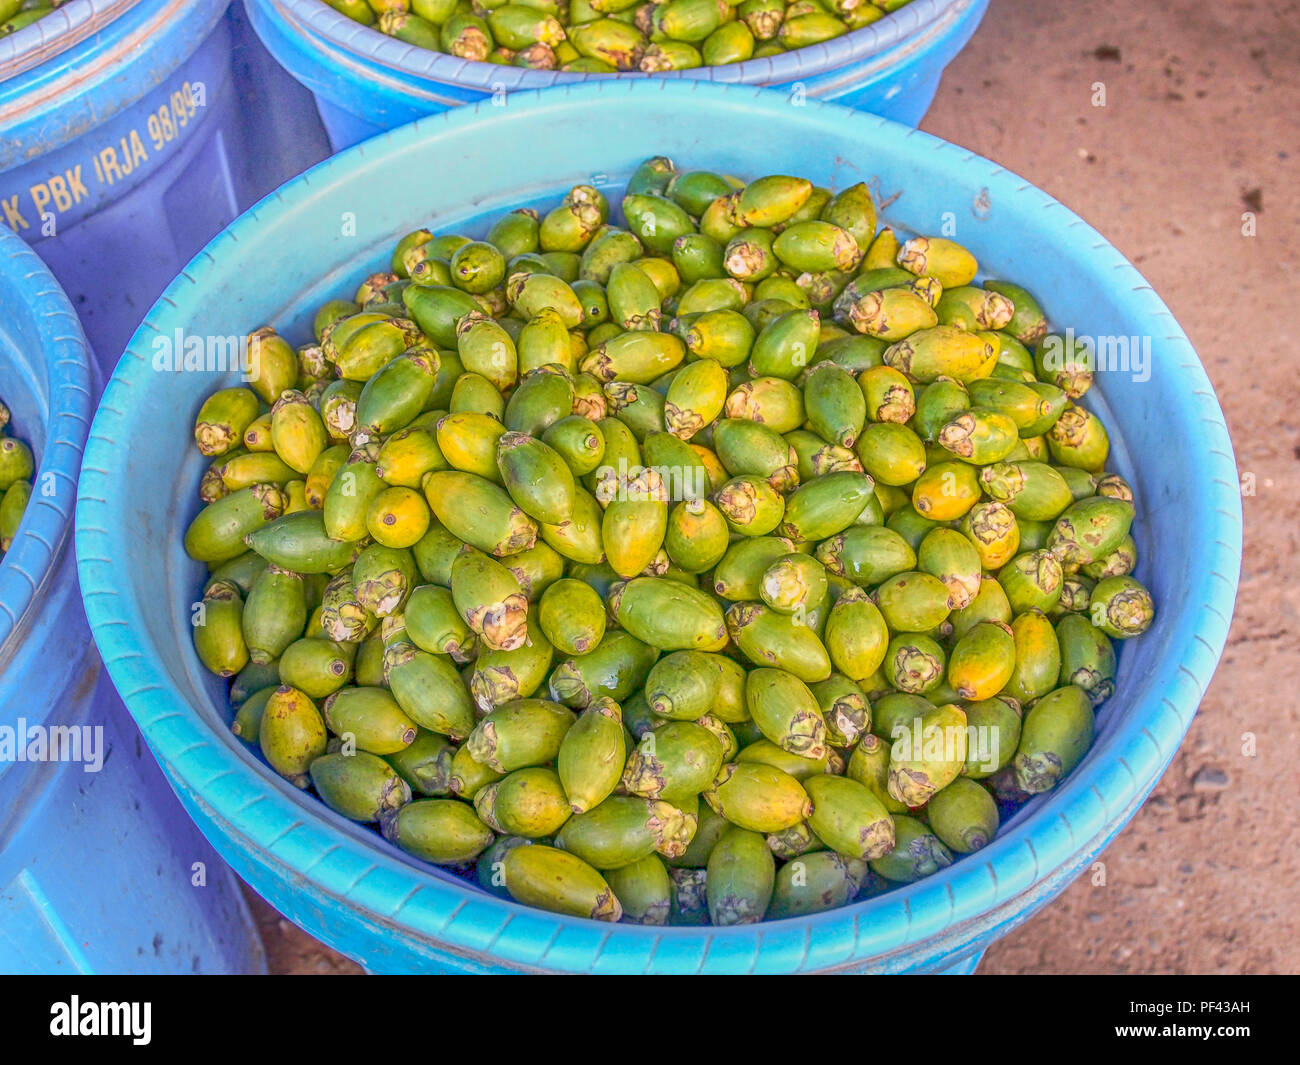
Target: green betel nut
[
  {"x": 1056, "y": 734},
  {"x": 690, "y": 552}
]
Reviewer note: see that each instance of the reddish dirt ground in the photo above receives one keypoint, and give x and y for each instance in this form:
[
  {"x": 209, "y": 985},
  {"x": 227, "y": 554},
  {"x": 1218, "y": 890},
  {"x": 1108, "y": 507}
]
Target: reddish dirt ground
[{"x": 1199, "y": 125}]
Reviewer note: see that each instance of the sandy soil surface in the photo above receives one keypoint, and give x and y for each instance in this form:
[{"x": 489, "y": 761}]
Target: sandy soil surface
[
  {"x": 1200, "y": 124},
  {"x": 1199, "y": 127}
]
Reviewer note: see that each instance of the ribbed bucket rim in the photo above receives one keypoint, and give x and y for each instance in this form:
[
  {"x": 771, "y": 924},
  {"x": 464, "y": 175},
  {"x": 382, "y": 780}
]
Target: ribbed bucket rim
[
  {"x": 47, "y": 524},
  {"x": 915, "y": 25},
  {"x": 66, "y": 26}
]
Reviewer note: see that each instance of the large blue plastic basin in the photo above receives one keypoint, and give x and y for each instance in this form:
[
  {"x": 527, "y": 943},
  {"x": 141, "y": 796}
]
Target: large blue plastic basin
[
  {"x": 100, "y": 871},
  {"x": 450, "y": 172},
  {"x": 130, "y": 134},
  {"x": 366, "y": 82}
]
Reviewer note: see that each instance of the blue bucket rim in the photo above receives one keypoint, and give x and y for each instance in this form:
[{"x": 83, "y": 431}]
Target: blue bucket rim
[
  {"x": 1047, "y": 841},
  {"x": 55, "y": 86},
  {"x": 917, "y": 25},
  {"x": 31, "y": 560},
  {"x": 67, "y": 25}
]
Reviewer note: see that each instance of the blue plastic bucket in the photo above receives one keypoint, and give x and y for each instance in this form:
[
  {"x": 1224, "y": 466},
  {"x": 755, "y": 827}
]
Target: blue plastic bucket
[
  {"x": 366, "y": 82},
  {"x": 125, "y": 146},
  {"x": 100, "y": 870},
  {"x": 343, "y": 882}
]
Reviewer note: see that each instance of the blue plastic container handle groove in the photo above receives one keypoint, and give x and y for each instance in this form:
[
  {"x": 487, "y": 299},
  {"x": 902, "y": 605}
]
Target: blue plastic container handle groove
[
  {"x": 366, "y": 82},
  {"x": 97, "y": 859},
  {"x": 345, "y": 884},
  {"x": 124, "y": 146}
]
